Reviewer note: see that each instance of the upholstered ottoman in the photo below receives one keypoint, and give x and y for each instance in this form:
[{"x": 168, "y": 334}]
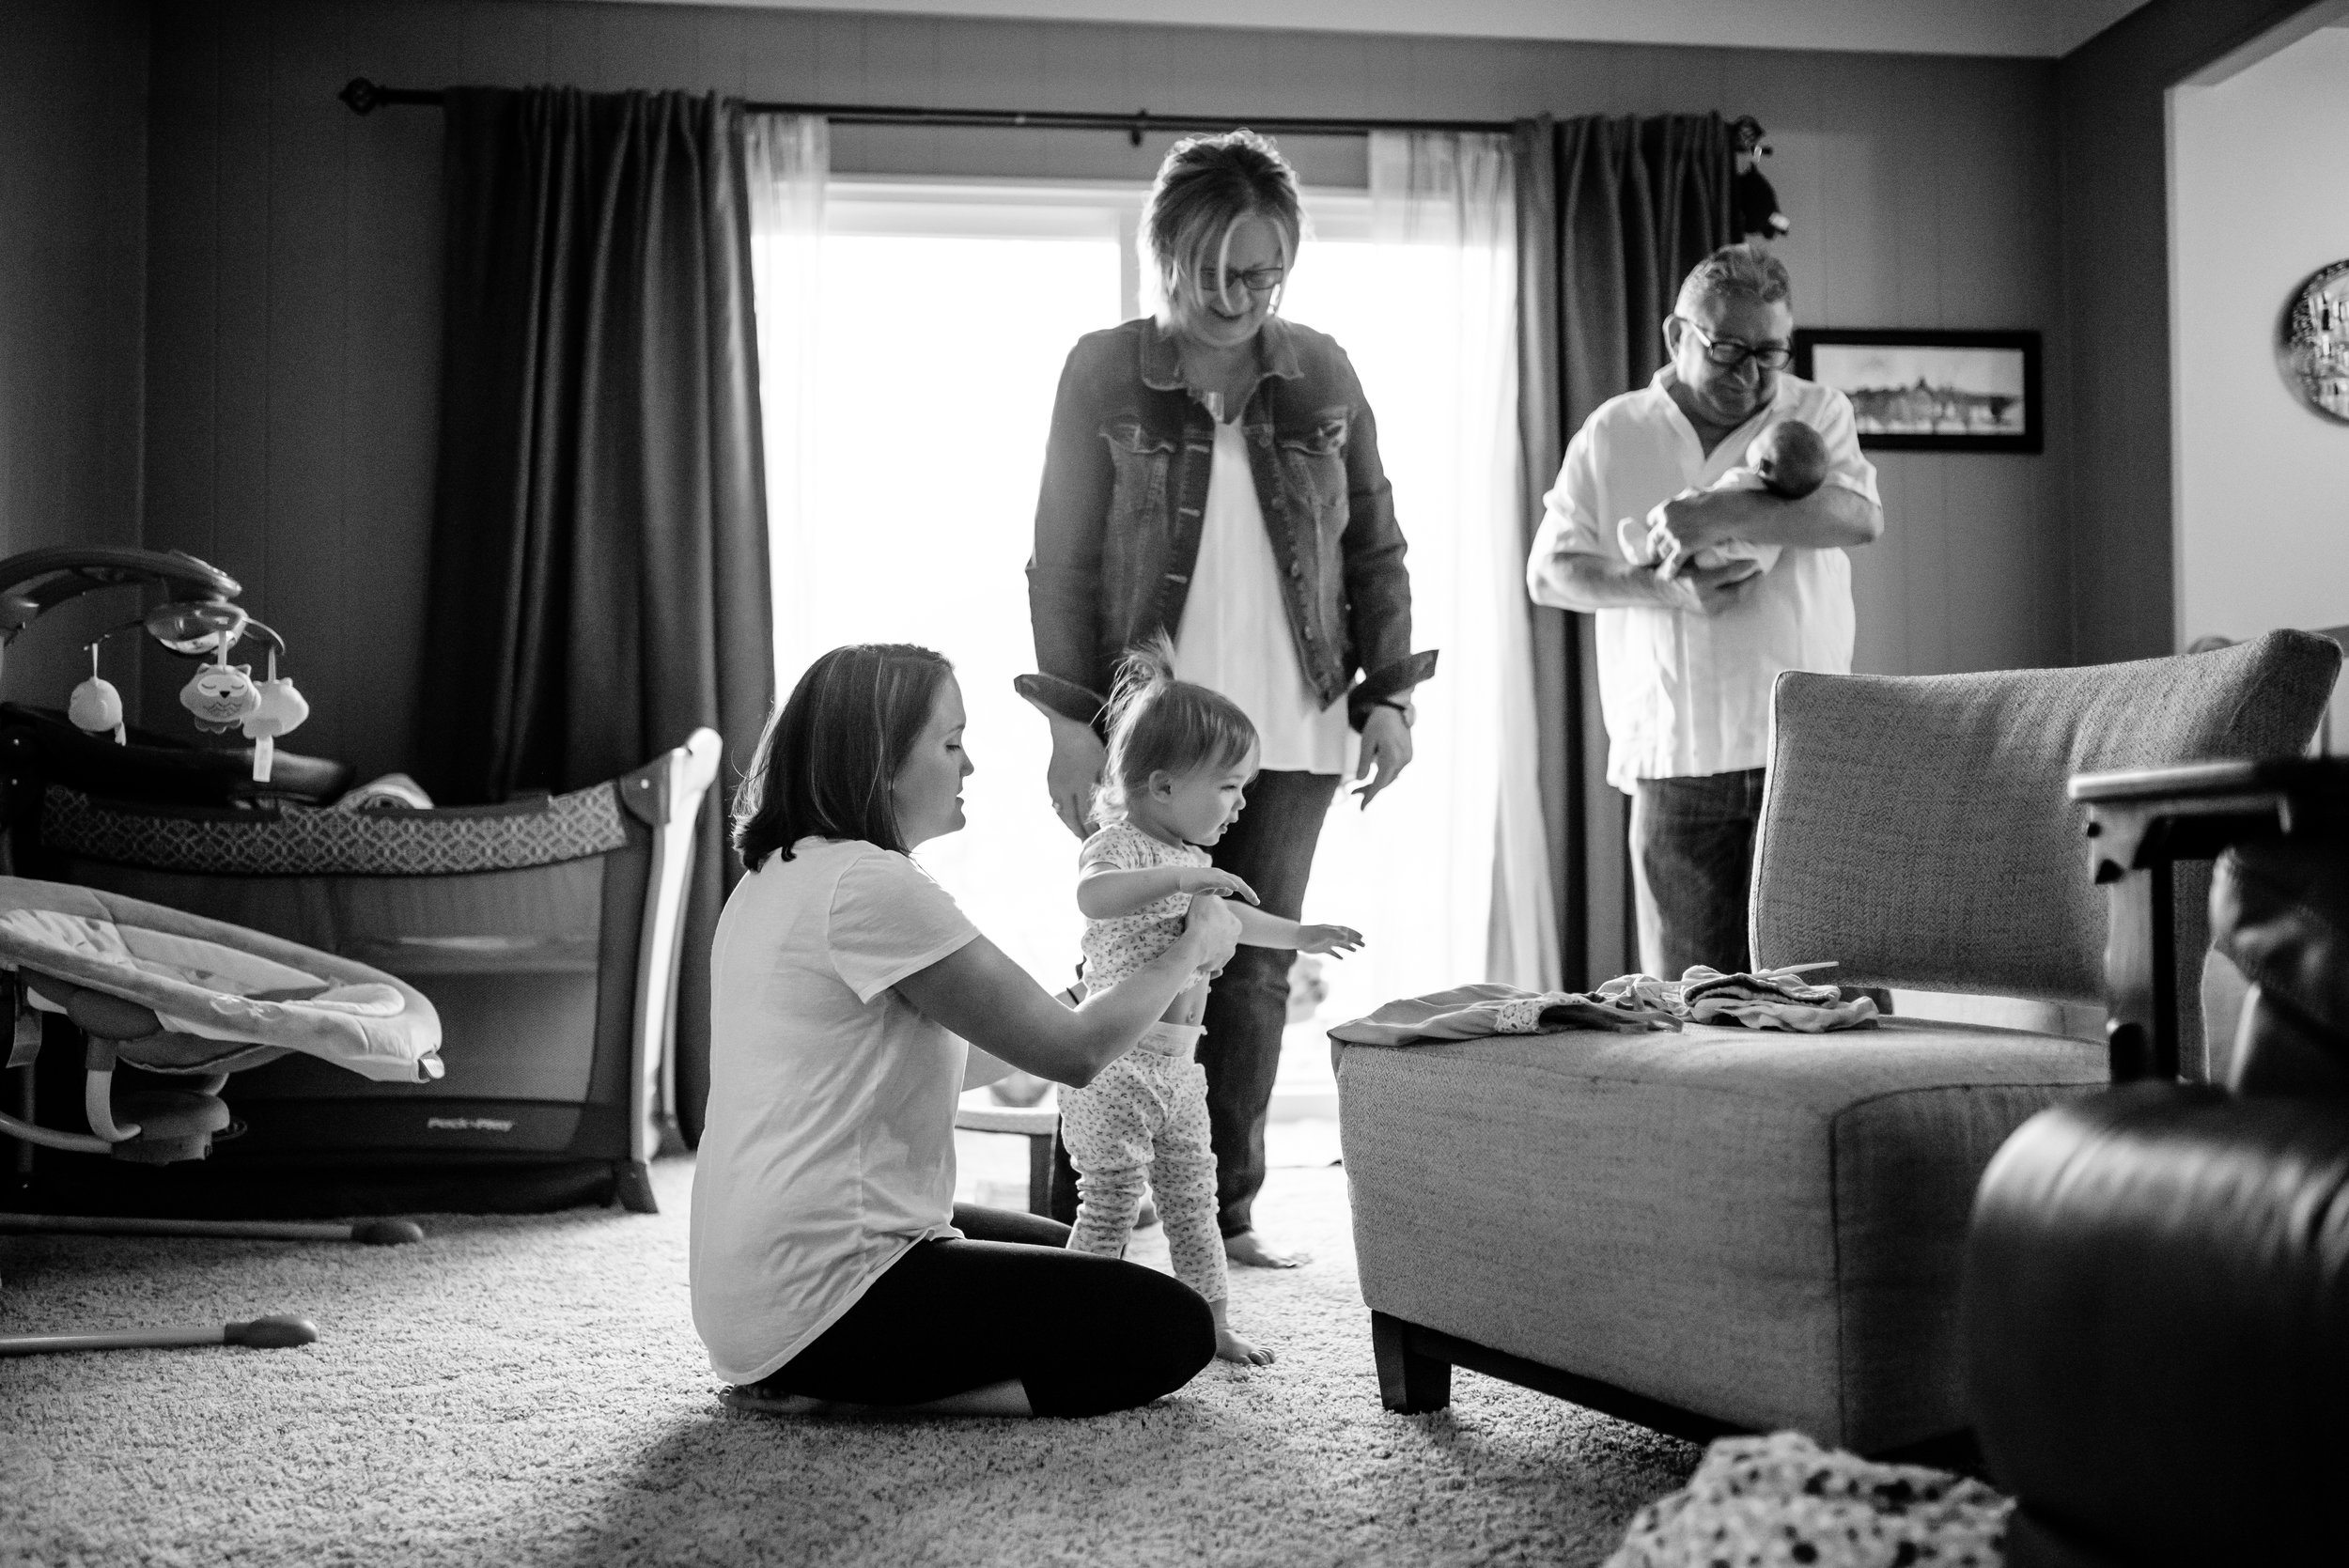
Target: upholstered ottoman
[{"x": 1712, "y": 1229}]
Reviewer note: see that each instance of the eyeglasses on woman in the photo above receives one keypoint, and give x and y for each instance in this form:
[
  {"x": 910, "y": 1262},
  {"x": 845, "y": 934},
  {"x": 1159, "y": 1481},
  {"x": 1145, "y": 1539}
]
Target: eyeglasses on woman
[{"x": 1257, "y": 280}]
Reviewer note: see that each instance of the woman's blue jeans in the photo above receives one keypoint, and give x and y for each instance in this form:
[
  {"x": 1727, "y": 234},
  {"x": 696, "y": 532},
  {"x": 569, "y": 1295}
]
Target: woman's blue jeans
[{"x": 1271, "y": 849}]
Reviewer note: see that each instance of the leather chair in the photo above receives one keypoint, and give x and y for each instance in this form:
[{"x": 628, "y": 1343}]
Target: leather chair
[{"x": 2156, "y": 1299}]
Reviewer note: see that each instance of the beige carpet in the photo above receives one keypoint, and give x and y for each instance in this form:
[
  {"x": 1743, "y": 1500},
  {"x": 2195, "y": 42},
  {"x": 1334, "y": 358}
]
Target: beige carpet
[{"x": 529, "y": 1390}]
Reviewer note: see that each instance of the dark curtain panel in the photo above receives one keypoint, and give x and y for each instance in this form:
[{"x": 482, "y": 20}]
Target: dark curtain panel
[
  {"x": 1611, "y": 214},
  {"x": 599, "y": 578}
]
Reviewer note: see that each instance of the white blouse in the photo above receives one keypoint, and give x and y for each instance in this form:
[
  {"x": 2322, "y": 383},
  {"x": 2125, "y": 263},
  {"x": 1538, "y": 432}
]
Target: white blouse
[{"x": 1235, "y": 636}]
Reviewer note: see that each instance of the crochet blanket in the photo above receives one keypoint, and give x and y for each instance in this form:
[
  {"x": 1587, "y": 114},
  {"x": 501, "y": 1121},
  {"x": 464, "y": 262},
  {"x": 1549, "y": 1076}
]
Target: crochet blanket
[{"x": 1782, "y": 1500}]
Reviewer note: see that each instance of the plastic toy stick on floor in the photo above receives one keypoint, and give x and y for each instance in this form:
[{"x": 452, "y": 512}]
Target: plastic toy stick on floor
[
  {"x": 371, "y": 1232},
  {"x": 261, "y": 1333}
]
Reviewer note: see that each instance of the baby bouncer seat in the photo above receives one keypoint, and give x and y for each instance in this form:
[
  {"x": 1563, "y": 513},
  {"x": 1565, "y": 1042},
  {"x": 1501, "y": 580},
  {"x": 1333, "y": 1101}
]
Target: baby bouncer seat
[{"x": 191, "y": 1000}]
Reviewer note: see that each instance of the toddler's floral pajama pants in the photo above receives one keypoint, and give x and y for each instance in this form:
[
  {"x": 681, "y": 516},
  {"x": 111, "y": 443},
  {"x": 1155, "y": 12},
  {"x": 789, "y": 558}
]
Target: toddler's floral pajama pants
[{"x": 1144, "y": 1120}]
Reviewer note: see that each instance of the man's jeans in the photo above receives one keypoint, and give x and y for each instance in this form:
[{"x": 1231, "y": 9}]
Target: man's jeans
[
  {"x": 1693, "y": 863},
  {"x": 1271, "y": 849}
]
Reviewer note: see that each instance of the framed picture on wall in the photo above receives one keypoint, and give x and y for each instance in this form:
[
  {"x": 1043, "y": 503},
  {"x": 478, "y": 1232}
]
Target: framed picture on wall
[{"x": 1932, "y": 391}]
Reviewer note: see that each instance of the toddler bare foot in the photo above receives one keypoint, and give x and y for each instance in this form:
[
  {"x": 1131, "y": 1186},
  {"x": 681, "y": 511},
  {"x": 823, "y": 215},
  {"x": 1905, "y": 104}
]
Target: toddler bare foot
[
  {"x": 1253, "y": 1250},
  {"x": 1230, "y": 1347}
]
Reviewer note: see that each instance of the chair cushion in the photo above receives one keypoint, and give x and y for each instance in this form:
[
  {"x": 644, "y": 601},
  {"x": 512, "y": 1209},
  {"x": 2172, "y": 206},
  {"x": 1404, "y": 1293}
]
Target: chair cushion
[{"x": 1762, "y": 1228}]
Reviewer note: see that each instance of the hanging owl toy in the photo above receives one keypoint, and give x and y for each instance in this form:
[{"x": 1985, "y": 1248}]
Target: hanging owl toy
[{"x": 221, "y": 695}]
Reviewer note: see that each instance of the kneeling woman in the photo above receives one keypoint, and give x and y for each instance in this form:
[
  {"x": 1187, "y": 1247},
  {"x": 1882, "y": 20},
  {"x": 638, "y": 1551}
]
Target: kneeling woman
[{"x": 832, "y": 1267}]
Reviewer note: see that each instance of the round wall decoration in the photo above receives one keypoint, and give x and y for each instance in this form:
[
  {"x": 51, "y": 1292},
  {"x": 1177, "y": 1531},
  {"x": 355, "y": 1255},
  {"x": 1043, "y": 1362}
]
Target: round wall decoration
[{"x": 2312, "y": 342}]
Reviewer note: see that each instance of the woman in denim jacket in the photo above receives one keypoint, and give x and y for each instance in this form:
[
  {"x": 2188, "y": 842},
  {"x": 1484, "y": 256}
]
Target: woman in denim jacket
[{"x": 1213, "y": 475}]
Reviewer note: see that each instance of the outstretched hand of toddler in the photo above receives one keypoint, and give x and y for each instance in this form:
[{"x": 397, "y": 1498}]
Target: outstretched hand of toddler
[{"x": 1337, "y": 939}]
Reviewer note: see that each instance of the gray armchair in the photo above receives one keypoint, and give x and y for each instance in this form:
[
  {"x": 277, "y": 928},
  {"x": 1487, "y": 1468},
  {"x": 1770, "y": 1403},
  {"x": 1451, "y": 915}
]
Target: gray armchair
[{"x": 1720, "y": 1230}]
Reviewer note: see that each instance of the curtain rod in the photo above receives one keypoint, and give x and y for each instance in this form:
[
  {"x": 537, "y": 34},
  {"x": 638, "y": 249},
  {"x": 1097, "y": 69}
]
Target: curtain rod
[{"x": 364, "y": 97}]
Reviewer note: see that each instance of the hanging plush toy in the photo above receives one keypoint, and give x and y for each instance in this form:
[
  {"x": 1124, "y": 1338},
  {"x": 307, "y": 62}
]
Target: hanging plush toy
[
  {"x": 1754, "y": 211},
  {"x": 280, "y": 708},
  {"x": 221, "y": 695},
  {"x": 95, "y": 705}
]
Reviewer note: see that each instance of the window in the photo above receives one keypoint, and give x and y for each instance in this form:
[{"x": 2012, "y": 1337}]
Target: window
[
  {"x": 946, "y": 313},
  {"x": 925, "y": 390}
]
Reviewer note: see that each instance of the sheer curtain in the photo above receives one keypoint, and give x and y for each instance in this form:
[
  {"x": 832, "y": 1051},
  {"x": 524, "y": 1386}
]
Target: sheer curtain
[
  {"x": 1449, "y": 870},
  {"x": 788, "y": 159},
  {"x": 886, "y": 528}
]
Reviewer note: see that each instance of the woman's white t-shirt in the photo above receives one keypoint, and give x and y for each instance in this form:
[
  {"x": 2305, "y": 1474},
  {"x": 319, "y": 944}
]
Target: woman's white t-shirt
[{"x": 829, "y": 1146}]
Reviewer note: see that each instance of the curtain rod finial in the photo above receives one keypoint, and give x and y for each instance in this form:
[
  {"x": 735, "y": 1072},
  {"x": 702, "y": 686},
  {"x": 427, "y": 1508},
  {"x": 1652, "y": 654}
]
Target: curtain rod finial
[{"x": 361, "y": 95}]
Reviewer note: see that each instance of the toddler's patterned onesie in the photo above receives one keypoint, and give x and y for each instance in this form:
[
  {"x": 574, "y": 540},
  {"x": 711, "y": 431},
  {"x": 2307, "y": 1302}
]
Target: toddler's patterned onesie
[{"x": 1145, "y": 1114}]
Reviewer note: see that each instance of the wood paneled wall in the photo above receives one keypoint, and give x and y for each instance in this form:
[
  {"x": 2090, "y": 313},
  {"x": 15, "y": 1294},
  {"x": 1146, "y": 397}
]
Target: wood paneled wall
[
  {"x": 72, "y": 247},
  {"x": 293, "y": 298}
]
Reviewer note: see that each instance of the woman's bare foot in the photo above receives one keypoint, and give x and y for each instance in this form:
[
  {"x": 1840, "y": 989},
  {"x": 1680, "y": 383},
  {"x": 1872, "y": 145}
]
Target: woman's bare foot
[
  {"x": 1008, "y": 1398},
  {"x": 756, "y": 1399},
  {"x": 1252, "y": 1249}
]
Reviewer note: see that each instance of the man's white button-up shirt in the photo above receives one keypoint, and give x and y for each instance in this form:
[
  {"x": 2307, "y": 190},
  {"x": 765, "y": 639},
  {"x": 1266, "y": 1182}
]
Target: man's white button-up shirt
[{"x": 1686, "y": 694}]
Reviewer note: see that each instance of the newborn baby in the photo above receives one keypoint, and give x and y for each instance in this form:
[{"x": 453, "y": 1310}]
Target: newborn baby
[
  {"x": 1790, "y": 457},
  {"x": 1788, "y": 460}
]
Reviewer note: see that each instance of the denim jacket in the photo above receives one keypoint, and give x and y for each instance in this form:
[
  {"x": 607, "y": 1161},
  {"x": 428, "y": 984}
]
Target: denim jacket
[{"x": 1126, "y": 485}]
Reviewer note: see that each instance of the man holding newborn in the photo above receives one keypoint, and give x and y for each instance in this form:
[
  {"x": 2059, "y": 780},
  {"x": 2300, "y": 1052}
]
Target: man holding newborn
[{"x": 1703, "y": 519}]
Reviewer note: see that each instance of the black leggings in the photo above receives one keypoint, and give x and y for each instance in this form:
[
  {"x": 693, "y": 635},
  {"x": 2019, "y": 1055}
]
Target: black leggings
[{"x": 1084, "y": 1335}]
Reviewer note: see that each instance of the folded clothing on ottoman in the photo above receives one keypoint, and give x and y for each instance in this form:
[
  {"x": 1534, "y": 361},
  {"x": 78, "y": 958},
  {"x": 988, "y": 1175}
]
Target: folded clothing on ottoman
[
  {"x": 1476, "y": 1012},
  {"x": 1630, "y": 1001},
  {"x": 1770, "y": 1001}
]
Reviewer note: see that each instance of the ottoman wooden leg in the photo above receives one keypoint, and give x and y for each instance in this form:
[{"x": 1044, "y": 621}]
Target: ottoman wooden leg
[{"x": 1409, "y": 1382}]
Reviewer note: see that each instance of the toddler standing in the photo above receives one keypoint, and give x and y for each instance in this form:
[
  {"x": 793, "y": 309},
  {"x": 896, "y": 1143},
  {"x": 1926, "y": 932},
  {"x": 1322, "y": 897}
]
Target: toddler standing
[{"x": 1180, "y": 758}]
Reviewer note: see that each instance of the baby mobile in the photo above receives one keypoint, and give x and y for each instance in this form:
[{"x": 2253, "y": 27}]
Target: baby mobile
[{"x": 222, "y": 696}]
